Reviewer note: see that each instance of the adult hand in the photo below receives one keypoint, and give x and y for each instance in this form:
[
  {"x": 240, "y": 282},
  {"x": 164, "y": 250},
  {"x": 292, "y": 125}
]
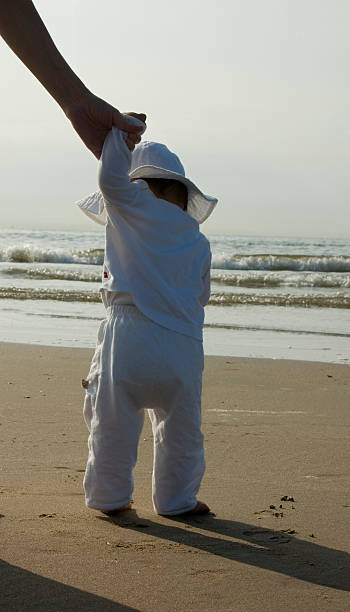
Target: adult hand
[
  {"x": 131, "y": 140},
  {"x": 92, "y": 118},
  {"x": 24, "y": 31}
]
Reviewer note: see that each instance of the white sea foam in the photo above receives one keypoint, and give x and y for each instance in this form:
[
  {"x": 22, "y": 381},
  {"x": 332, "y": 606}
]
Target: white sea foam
[
  {"x": 29, "y": 253},
  {"x": 324, "y": 263}
]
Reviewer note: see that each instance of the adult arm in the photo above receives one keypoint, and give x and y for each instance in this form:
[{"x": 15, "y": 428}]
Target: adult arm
[{"x": 92, "y": 118}]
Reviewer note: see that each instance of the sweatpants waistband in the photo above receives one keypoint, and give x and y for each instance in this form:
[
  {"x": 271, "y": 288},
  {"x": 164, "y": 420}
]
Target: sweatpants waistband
[
  {"x": 123, "y": 309},
  {"x": 131, "y": 311}
]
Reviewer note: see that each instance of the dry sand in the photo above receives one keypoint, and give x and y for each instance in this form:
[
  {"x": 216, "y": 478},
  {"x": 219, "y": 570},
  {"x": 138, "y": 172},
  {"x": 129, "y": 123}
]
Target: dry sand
[{"x": 272, "y": 429}]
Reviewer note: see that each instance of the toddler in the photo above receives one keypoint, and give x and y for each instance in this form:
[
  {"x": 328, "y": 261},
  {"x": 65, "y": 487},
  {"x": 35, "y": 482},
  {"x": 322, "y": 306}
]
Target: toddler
[{"x": 149, "y": 353}]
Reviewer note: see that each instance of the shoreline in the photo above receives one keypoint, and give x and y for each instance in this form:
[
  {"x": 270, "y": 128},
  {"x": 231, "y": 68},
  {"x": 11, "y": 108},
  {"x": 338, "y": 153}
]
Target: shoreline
[
  {"x": 90, "y": 351},
  {"x": 239, "y": 343},
  {"x": 273, "y": 429}
]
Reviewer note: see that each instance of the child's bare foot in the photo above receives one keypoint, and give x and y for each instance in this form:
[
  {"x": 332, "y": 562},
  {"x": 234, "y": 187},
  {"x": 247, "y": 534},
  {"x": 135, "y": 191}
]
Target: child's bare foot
[{"x": 116, "y": 510}]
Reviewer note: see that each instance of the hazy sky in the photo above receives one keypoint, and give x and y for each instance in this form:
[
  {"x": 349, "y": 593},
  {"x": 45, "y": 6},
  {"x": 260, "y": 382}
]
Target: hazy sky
[{"x": 254, "y": 96}]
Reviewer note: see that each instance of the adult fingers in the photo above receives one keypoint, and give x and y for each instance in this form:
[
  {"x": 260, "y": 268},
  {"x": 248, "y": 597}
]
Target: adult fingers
[
  {"x": 140, "y": 116},
  {"x": 131, "y": 122}
]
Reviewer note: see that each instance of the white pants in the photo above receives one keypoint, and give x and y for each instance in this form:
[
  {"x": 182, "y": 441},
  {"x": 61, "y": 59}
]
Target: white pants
[{"x": 139, "y": 364}]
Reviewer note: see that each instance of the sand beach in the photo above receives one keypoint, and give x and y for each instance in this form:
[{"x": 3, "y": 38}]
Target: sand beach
[{"x": 277, "y": 481}]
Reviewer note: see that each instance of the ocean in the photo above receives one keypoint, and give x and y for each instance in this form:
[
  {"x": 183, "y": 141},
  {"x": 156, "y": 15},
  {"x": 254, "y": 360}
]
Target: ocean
[{"x": 280, "y": 298}]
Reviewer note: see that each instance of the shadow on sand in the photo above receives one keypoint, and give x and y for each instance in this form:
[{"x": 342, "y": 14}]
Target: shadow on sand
[
  {"x": 23, "y": 590},
  {"x": 276, "y": 551}
]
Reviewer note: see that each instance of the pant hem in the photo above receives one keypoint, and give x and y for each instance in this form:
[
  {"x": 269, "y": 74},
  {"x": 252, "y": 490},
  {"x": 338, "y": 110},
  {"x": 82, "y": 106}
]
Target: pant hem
[
  {"x": 177, "y": 512},
  {"x": 115, "y": 506}
]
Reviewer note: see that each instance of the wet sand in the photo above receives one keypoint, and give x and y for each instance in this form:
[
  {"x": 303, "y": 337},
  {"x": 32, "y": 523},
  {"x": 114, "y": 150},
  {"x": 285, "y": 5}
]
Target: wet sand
[{"x": 278, "y": 457}]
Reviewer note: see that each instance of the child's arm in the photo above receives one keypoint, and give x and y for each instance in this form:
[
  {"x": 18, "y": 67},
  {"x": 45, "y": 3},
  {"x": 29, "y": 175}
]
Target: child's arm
[{"x": 114, "y": 180}]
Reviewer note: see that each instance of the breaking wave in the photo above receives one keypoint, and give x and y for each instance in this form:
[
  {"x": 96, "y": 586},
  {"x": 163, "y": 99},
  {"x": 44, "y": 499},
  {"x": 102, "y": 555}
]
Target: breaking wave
[
  {"x": 307, "y": 263},
  {"x": 28, "y": 253}
]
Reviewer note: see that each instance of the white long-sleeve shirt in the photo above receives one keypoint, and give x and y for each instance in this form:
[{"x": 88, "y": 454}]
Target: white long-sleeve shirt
[{"x": 154, "y": 250}]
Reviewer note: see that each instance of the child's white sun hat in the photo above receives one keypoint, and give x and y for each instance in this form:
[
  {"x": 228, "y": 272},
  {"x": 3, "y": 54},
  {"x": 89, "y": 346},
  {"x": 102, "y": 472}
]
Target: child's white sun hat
[{"x": 155, "y": 160}]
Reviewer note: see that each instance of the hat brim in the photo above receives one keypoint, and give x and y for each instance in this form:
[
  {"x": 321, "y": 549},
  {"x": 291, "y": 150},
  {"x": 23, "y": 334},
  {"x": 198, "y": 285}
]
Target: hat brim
[{"x": 199, "y": 205}]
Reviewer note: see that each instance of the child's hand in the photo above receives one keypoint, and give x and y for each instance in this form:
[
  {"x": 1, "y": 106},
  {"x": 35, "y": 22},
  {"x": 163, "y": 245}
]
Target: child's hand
[{"x": 132, "y": 139}]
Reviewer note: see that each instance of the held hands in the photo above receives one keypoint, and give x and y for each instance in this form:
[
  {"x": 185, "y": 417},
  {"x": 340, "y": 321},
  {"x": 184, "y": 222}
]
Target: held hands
[
  {"x": 132, "y": 139},
  {"x": 92, "y": 118}
]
